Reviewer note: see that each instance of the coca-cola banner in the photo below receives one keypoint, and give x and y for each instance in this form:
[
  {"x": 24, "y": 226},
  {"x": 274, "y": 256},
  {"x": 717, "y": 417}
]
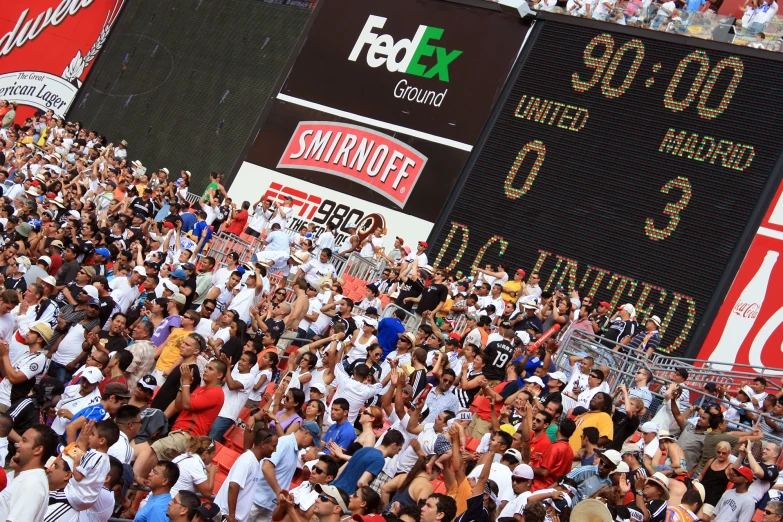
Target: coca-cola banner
[
  {"x": 749, "y": 326},
  {"x": 47, "y": 48}
]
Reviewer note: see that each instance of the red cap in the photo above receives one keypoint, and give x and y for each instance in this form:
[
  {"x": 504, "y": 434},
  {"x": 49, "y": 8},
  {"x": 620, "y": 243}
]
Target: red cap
[
  {"x": 3, "y": 480},
  {"x": 423, "y": 243},
  {"x": 369, "y": 518},
  {"x": 168, "y": 224},
  {"x": 51, "y": 195},
  {"x": 521, "y": 272},
  {"x": 747, "y": 473},
  {"x": 401, "y": 240},
  {"x": 454, "y": 335},
  {"x": 604, "y": 303}
]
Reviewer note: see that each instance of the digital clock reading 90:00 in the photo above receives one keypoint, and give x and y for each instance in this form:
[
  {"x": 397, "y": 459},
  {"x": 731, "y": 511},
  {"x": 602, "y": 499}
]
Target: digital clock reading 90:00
[{"x": 623, "y": 162}]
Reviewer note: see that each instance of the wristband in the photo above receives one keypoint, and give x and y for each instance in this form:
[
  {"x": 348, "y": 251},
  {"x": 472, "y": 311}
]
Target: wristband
[{"x": 185, "y": 386}]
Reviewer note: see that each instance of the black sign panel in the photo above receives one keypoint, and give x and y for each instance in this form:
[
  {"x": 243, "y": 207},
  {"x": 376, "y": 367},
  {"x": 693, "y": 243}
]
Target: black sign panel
[
  {"x": 429, "y": 65},
  {"x": 410, "y": 82},
  {"x": 626, "y": 163}
]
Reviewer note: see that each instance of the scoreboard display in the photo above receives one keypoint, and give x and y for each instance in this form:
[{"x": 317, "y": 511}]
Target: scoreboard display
[{"x": 626, "y": 162}]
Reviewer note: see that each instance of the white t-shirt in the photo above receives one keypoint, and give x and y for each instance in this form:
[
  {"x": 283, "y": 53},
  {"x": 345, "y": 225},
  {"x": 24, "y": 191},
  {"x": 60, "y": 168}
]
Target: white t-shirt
[
  {"x": 368, "y": 250},
  {"x": 601, "y": 11},
  {"x": 27, "y": 498},
  {"x": 122, "y": 292},
  {"x": 7, "y": 327},
  {"x": 502, "y": 477},
  {"x": 204, "y": 328},
  {"x": 31, "y": 364},
  {"x": 315, "y": 270},
  {"x": 325, "y": 240},
  {"x": 255, "y": 395},
  {"x": 320, "y": 325},
  {"x": 245, "y": 472},
  {"x": 243, "y": 301},
  {"x": 192, "y": 472},
  {"x": 73, "y": 401},
  {"x": 304, "y": 495},
  {"x": 71, "y": 346},
  {"x": 355, "y": 392},
  {"x": 519, "y": 502},
  {"x": 94, "y": 466},
  {"x": 122, "y": 450},
  {"x": 101, "y": 510},
  {"x": 235, "y": 399}
]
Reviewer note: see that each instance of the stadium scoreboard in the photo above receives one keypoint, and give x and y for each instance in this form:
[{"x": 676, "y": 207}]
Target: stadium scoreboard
[{"x": 627, "y": 162}]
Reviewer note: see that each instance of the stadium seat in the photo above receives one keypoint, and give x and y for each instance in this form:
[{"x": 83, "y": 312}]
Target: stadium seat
[
  {"x": 438, "y": 485},
  {"x": 225, "y": 457},
  {"x": 244, "y": 414},
  {"x": 235, "y": 438},
  {"x": 472, "y": 444},
  {"x": 220, "y": 477}
]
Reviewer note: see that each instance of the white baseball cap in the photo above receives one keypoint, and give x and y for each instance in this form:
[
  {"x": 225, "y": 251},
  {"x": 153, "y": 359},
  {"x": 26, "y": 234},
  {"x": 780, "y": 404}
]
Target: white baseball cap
[
  {"x": 649, "y": 427},
  {"x": 91, "y": 291},
  {"x": 92, "y": 374},
  {"x": 524, "y": 471}
]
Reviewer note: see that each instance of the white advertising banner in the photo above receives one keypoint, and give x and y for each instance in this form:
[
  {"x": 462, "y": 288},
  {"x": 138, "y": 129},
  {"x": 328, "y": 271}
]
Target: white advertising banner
[
  {"x": 320, "y": 205},
  {"x": 38, "y": 89}
]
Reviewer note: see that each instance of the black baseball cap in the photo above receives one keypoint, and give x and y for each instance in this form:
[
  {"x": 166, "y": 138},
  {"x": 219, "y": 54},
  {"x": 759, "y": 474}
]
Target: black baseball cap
[{"x": 209, "y": 510}]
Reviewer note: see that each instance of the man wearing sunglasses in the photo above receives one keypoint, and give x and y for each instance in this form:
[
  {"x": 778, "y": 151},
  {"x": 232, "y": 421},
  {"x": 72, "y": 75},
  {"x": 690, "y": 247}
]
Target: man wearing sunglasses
[
  {"x": 773, "y": 512},
  {"x": 235, "y": 497},
  {"x": 330, "y": 506},
  {"x": 590, "y": 479},
  {"x": 305, "y": 497}
]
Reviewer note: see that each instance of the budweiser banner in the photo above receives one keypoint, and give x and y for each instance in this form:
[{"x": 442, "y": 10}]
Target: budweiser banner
[
  {"x": 748, "y": 329},
  {"x": 47, "y": 48}
]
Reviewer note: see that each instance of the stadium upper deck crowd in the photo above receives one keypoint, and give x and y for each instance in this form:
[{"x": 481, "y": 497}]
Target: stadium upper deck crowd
[{"x": 127, "y": 355}]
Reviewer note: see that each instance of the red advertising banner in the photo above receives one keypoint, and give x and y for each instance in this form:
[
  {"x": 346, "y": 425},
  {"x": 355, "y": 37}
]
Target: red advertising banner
[
  {"x": 47, "y": 48},
  {"x": 749, "y": 326},
  {"x": 377, "y": 161}
]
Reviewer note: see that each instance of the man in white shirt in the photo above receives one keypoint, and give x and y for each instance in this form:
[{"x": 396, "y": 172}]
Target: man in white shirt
[
  {"x": 373, "y": 244},
  {"x": 259, "y": 218},
  {"x": 239, "y": 380},
  {"x": 249, "y": 296},
  {"x": 77, "y": 397},
  {"x": 8, "y": 301},
  {"x": 220, "y": 277},
  {"x": 125, "y": 290},
  {"x": 314, "y": 269},
  {"x": 28, "y": 497},
  {"x": 326, "y": 239}
]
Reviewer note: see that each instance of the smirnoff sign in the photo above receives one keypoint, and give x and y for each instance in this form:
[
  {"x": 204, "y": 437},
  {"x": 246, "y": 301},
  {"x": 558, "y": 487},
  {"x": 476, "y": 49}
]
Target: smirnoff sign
[{"x": 46, "y": 55}]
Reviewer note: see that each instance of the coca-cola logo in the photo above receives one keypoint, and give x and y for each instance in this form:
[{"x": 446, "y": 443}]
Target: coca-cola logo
[{"x": 747, "y": 310}]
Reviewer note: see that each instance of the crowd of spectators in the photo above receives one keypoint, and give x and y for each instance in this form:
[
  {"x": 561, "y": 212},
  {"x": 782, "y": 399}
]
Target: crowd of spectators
[
  {"x": 129, "y": 355},
  {"x": 758, "y": 26}
]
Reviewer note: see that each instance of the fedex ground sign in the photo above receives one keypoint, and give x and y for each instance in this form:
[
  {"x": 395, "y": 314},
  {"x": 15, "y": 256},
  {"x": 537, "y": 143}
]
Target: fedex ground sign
[{"x": 405, "y": 56}]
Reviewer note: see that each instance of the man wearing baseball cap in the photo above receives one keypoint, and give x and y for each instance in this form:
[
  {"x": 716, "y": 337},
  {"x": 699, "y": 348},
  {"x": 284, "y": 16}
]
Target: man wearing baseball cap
[
  {"x": 622, "y": 327},
  {"x": 76, "y": 398},
  {"x": 735, "y": 505},
  {"x": 648, "y": 340},
  {"x": 330, "y": 506},
  {"x": 115, "y": 395},
  {"x": 600, "y": 318},
  {"x": 521, "y": 479},
  {"x": 591, "y": 478},
  {"x": 20, "y": 375}
]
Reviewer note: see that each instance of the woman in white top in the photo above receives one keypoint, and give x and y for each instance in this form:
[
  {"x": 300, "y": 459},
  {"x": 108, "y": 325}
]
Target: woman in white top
[
  {"x": 305, "y": 250},
  {"x": 265, "y": 370},
  {"x": 196, "y": 470},
  {"x": 357, "y": 345},
  {"x": 301, "y": 375}
]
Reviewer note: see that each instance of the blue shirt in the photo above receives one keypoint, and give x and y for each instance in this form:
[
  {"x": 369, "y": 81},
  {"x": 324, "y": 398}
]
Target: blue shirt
[
  {"x": 341, "y": 434},
  {"x": 366, "y": 459},
  {"x": 188, "y": 221},
  {"x": 284, "y": 459},
  {"x": 588, "y": 480},
  {"x": 155, "y": 509},
  {"x": 389, "y": 330},
  {"x": 201, "y": 225},
  {"x": 694, "y": 5},
  {"x": 277, "y": 241},
  {"x": 96, "y": 413}
]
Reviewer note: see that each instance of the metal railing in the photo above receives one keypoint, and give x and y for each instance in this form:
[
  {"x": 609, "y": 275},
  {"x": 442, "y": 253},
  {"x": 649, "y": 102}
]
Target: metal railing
[
  {"x": 626, "y": 363},
  {"x": 223, "y": 244},
  {"x": 411, "y": 321},
  {"x": 361, "y": 268}
]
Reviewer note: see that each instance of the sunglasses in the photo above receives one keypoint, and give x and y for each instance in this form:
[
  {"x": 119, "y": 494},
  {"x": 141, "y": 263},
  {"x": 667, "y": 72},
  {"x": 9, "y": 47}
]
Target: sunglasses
[
  {"x": 518, "y": 479},
  {"x": 318, "y": 471},
  {"x": 326, "y": 498},
  {"x": 768, "y": 512}
]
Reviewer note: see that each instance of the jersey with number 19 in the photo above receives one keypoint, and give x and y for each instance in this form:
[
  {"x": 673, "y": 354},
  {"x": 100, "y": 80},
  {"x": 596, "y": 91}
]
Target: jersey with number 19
[{"x": 496, "y": 357}]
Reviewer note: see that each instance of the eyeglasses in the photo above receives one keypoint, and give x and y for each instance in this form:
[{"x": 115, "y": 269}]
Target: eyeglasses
[
  {"x": 721, "y": 452},
  {"x": 605, "y": 464},
  {"x": 318, "y": 471},
  {"x": 326, "y": 498}
]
